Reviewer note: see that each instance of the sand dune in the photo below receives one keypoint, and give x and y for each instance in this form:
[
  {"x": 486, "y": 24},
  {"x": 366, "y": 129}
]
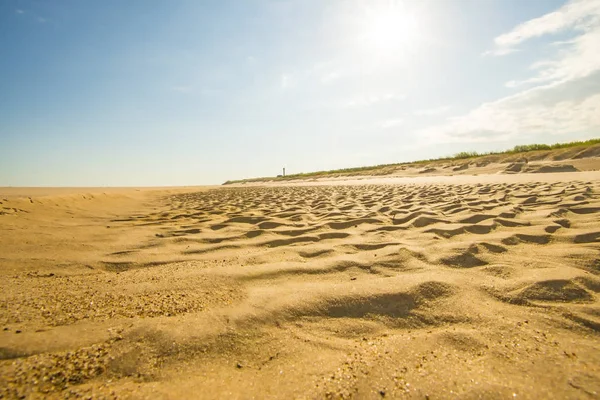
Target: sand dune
[
  {"x": 482, "y": 288},
  {"x": 566, "y": 160}
]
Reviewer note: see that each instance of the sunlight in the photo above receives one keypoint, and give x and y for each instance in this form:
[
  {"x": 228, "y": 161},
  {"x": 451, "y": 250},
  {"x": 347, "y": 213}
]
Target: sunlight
[{"x": 390, "y": 30}]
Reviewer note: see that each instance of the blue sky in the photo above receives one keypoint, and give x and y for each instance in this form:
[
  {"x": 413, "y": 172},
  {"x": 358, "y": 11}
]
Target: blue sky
[{"x": 137, "y": 93}]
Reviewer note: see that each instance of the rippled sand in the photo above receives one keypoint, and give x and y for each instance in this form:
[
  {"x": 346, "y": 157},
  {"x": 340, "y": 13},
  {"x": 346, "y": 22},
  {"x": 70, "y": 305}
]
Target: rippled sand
[{"x": 416, "y": 290}]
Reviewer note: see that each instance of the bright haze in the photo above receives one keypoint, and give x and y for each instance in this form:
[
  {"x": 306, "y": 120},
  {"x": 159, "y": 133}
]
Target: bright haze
[{"x": 141, "y": 93}]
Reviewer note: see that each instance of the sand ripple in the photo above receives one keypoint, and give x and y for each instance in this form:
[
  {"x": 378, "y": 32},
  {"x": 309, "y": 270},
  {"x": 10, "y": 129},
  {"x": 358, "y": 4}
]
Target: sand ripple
[{"x": 328, "y": 291}]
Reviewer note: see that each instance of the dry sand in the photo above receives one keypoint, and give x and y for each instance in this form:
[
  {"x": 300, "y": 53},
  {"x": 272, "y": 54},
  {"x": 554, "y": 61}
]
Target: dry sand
[
  {"x": 573, "y": 159},
  {"x": 485, "y": 287}
]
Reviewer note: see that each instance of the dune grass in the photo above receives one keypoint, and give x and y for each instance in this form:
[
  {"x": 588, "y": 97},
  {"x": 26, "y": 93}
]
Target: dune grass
[
  {"x": 385, "y": 169},
  {"x": 529, "y": 147}
]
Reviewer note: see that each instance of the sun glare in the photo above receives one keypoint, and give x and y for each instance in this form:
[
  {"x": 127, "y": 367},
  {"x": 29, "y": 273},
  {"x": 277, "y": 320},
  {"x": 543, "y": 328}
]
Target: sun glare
[{"x": 391, "y": 30}]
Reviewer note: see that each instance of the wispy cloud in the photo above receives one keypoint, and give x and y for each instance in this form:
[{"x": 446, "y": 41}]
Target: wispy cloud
[
  {"x": 41, "y": 20},
  {"x": 501, "y": 51},
  {"x": 576, "y": 13},
  {"x": 19, "y": 11},
  {"x": 564, "y": 91},
  {"x": 524, "y": 114}
]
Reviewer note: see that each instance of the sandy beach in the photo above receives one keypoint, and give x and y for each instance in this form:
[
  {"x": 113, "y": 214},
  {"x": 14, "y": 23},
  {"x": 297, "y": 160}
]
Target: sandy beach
[
  {"x": 291, "y": 199},
  {"x": 424, "y": 288}
]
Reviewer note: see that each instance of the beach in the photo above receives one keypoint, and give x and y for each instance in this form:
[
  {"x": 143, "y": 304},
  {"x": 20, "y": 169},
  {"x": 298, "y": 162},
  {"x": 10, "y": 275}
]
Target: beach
[{"x": 410, "y": 287}]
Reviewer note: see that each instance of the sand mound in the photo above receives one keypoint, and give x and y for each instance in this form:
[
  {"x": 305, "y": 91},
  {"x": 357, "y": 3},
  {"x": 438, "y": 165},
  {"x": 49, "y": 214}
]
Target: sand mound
[
  {"x": 552, "y": 168},
  {"x": 593, "y": 151},
  {"x": 461, "y": 167},
  {"x": 522, "y": 167},
  {"x": 514, "y": 168},
  {"x": 555, "y": 290},
  {"x": 329, "y": 291}
]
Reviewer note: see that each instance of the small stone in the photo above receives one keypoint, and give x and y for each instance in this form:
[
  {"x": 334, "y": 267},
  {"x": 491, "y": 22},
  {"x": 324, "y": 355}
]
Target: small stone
[
  {"x": 382, "y": 393},
  {"x": 18, "y": 331},
  {"x": 5, "y": 328},
  {"x": 239, "y": 366}
]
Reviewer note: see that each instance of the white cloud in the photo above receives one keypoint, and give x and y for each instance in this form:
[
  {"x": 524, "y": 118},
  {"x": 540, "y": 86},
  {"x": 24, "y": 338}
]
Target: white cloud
[
  {"x": 573, "y": 14},
  {"x": 564, "y": 93},
  {"x": 580, "y": 15},
  {"x": 578, "y": 59},
  {"x": 502, "y": 51},
  {"x": 19, "y": 11},
  {"x": 549, "y": 110}
]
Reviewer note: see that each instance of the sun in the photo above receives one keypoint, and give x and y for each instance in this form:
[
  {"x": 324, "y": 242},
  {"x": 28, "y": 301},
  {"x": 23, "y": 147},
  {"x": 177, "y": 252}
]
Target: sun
[{"x": 390, "y": 29}]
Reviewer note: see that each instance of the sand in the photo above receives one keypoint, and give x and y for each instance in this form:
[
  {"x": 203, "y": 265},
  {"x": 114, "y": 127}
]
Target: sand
[
  {"x": 427, "y": 287},
  {"x": 573, "y": 159}
]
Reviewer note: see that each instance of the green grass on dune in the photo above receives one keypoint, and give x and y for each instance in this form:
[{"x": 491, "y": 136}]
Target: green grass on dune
[
  {"x": 385, "y": 169},
  {"x": 529, "y": 147},
  {"x": 515, "y": 150}
]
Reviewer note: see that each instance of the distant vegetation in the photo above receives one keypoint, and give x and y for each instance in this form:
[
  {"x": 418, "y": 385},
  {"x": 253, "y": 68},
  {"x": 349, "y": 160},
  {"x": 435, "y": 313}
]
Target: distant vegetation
[
  {"x": 465, "y": 154},
  {"x": 523, "y": 149},
  {"x": 386, "y": 169}
]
